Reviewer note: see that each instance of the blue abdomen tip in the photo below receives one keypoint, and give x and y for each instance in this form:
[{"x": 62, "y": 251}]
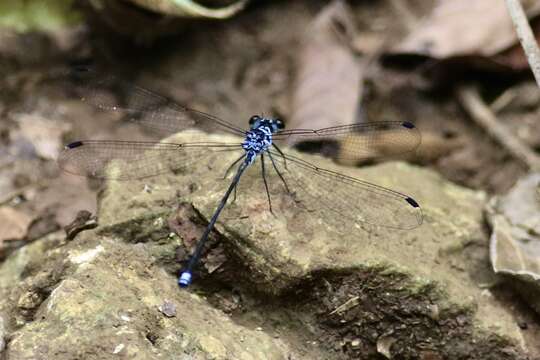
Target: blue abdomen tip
[{"x": 185, "y": 279}]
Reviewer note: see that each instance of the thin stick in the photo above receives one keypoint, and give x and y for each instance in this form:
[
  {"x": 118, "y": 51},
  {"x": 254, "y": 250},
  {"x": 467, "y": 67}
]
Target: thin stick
[
  {"x": 526, "y": 36},
  {"x": 482, "y": 114}
]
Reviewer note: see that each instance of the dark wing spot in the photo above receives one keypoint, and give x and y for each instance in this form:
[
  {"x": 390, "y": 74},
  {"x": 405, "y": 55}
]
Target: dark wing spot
[
  {"x": 74, "y": 144},
  {"x": 412, "y": 202},
  {"x": 408, "y": 125}
]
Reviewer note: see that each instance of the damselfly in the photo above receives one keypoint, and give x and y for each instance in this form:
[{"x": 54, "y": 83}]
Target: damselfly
[{"x": 334, "y": 194}]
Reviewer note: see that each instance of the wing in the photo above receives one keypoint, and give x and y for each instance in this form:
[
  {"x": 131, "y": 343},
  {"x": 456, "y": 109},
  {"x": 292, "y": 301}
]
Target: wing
[
  {"x": 360, "y": 141},
  {"x": 344, "y": 198},
  {"x": 127, "y": 160},
  {"x": 144, "y": 107}
]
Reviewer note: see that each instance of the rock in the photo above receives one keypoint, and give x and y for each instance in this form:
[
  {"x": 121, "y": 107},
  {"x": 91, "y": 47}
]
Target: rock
[
  {"x": 25, "y": 260},
  {"x": 168, "y": 308},
  {"x": 438, "y": 265},
  {"x": 515, "y": 237},
  {"x": 107, "y": 306},
  {"x": 315, "y": 290},
  {"x": 14, "y": 269}
]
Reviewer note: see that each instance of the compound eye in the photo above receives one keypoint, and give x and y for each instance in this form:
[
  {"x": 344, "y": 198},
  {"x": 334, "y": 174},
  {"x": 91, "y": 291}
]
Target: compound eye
[
  {"x": 280, "y": 124},
  {"x": 254, "y": 119}
]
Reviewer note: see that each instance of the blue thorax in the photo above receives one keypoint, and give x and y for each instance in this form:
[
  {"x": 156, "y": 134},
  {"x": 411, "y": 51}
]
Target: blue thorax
[{"x": 259, "y": 137}]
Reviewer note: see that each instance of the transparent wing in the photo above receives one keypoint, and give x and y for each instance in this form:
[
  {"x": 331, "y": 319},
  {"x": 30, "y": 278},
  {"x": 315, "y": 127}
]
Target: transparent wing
[
  {"x": 127, "y": 160},
  {"x": 360, "y": 141},
  {"x": 346, "y": 199},
  {"x": 142, "y": 106}
]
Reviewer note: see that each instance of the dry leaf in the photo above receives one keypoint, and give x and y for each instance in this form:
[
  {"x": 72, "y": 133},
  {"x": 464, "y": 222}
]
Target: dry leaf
[
  {"x": 13, "y": 224},
  {"x": 190, "y": 8},
  {"x": 328, "y": 84},
  {"x": 45, "y": 135},
  {"x": 463, "y": 27},
  {"x": 515, "y": 238},
  {"x": 159, "y": 18},
  {"x": 435, "y": 146},
  {"x": 468, "y": 33}
]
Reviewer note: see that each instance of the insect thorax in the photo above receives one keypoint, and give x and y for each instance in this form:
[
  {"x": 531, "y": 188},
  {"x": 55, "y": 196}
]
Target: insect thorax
[{"x": 257, "y": 141}]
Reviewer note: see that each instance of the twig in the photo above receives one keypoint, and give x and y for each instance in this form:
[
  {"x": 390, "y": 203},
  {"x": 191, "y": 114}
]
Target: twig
[
  {"x": 349, "y": 304},
  {"x": 503, "y": 100},
  {"x": 526, "y": 36},
  {"x": 482, "y": 114}
]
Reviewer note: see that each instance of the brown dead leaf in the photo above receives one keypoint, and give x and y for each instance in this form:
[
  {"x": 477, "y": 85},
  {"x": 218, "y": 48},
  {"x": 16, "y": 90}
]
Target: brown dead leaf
[
  {"x": 328, "y": 85},
  {"x": 435, "y": 146},
  {"x": 45, "y": 135},
  {"x": 14, "y": 224},
  {"x": 515, "y": 238},
  {"x": 477, "y": 34},
  {"x": 463, "y": 27}
]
